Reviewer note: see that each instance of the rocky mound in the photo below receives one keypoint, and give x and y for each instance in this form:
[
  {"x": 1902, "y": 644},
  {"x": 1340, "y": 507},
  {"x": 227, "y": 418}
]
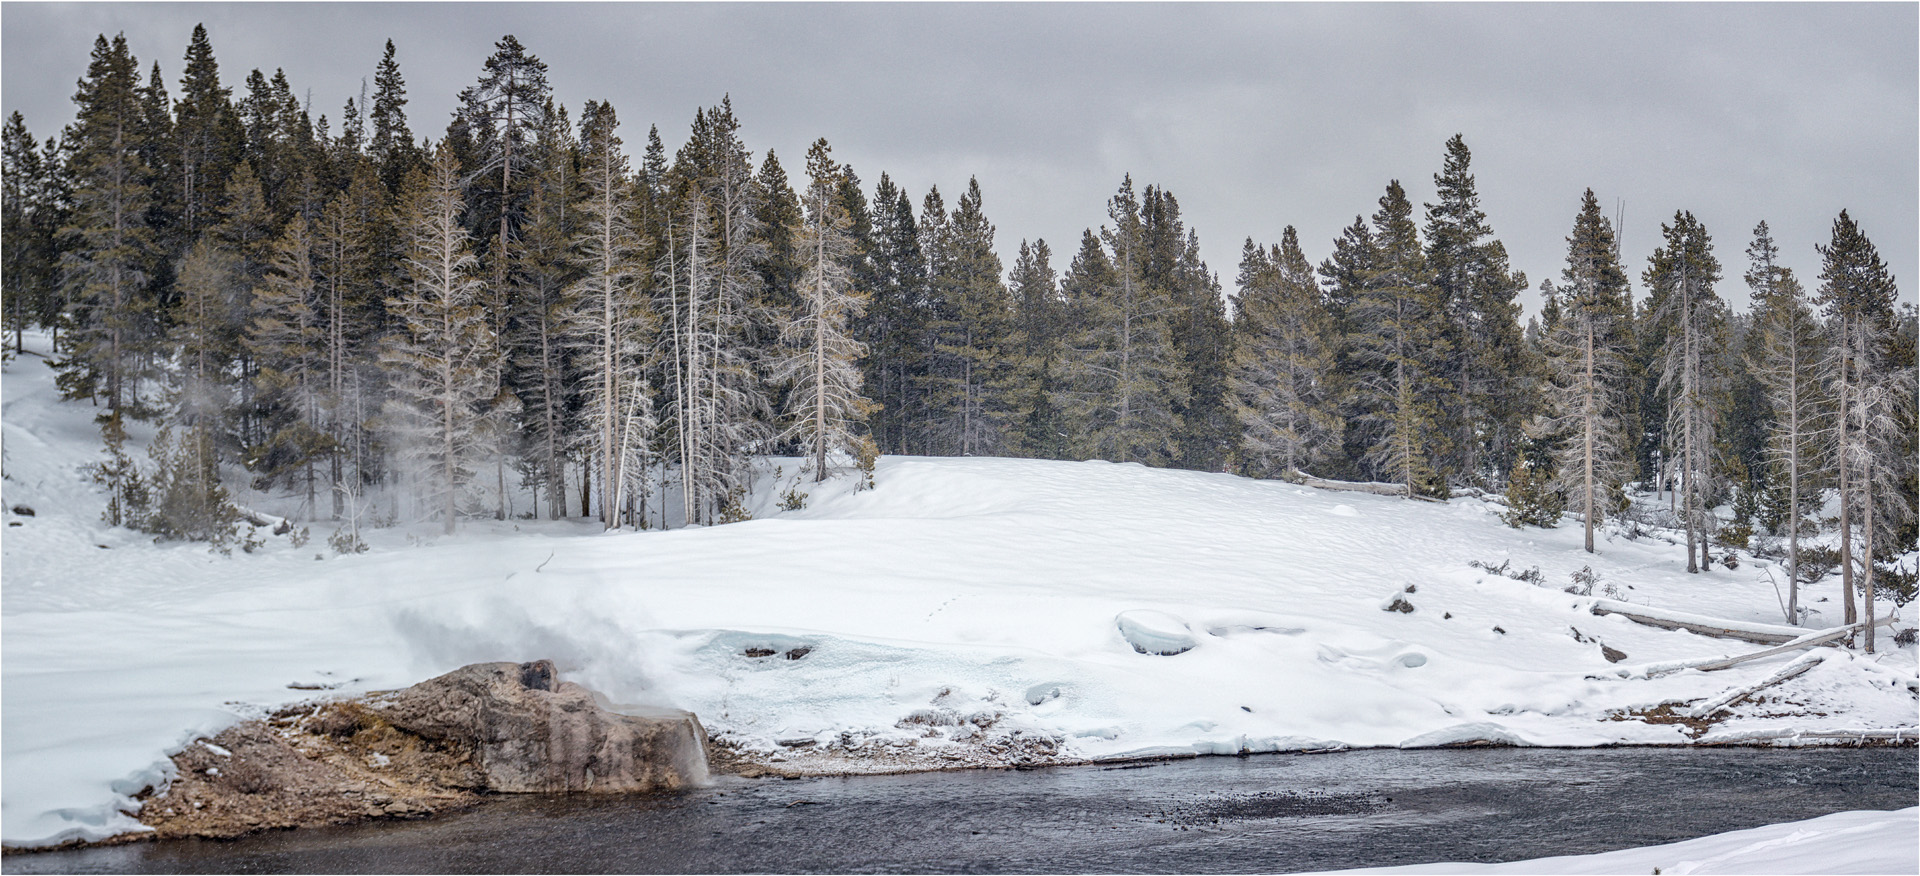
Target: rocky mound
[{"x": 488, "y": 727}]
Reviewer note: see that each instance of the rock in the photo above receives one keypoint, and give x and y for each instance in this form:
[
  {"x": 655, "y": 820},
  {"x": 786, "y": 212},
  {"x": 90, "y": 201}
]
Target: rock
[
  {"x": 23, "y": 510},
  {"x": 511, "y": 727},
  {"x": 529, "y": 732}
]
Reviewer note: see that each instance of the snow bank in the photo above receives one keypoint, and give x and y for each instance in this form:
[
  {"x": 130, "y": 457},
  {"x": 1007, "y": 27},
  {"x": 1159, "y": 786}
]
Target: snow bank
[
  {"x": 959, "y": 603},
  {"x": 1844, "y": 842}
]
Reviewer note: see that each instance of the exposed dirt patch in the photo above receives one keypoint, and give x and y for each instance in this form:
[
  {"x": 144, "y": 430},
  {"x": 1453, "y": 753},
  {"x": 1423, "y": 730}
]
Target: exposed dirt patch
[
  {"x": 1667, "y": 713},
  {"x": 307, "y": 765}
]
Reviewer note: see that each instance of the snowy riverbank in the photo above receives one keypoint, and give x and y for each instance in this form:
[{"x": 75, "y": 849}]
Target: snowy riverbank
[
  {"x": 1867, "y": 841},
  {"x": 960, "y": 604}
]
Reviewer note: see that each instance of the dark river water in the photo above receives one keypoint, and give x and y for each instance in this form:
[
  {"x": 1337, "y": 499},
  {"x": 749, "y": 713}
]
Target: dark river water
[{"x": 1270, "y": 813}]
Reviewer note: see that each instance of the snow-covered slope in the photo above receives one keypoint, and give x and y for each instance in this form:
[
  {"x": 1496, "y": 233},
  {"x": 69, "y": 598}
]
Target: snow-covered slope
[
  {"x": 961, "y": 601},
  {"x": 1866, "y": 841}
]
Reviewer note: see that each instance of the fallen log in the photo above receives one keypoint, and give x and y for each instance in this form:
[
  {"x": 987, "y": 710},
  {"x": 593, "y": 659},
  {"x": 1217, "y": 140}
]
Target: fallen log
[
  {"x": 1759, "y": 634},
  {"x": 1809, "y": 640},
  {"x": 1797, "y": 667},
  {"x": 1374, "y": 487},
  {"x": 277, "y": 525},
  {"x": 1748, "y": 737}
]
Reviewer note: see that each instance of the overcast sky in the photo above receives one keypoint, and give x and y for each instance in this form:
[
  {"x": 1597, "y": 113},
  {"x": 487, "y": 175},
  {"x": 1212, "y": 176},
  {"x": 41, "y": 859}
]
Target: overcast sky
[{"x": 1254, "y": 116}]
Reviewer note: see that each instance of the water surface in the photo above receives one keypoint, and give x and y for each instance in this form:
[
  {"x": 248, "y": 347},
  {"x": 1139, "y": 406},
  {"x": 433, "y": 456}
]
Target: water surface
[{"x": 1269, "y": 813}]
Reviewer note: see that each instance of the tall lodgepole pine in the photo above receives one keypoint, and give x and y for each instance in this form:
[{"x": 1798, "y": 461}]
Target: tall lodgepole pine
[
  {"x": 1681, "y": 274},
  {"x": 1586, "y": 345},
  {"x": 1857, "y": 293},
  {"x": 826, "y": 403},
  {"x": 1794, "y": 365},
  {"x": 440, "y": 355},
  {"x": 1283, "y": 363},
  {"x": 611, "y": 325}
]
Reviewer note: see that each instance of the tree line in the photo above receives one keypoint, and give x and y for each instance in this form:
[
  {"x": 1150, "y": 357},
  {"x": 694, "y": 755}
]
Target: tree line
[{"x": 528, "y": 306}]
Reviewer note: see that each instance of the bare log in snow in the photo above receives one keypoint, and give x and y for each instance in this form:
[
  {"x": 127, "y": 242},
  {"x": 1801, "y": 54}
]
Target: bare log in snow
[
  {"x": 1750, "y": 737},
  {"x": 276, "y": 525},
  {"x": 1807, "y": 641},
  {"x": 1374, "y": 487},
  {"x": 1806, "y": 662},
  {"x": 1760, "y": 634}
]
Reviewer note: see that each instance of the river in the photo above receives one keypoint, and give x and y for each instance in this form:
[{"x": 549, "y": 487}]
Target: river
[{"x": 1267, "y": 813}]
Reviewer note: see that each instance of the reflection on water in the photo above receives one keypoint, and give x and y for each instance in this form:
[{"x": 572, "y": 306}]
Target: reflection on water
[{"x": 1259, "y": 814}]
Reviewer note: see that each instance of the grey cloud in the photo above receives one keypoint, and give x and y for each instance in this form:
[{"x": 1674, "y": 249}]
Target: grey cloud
[{"x": 1256, "y": 116}]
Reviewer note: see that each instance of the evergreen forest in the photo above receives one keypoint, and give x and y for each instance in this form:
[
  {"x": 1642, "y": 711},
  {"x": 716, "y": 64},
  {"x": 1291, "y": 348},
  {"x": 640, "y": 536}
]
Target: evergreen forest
[{"x": 543, "y": 305}]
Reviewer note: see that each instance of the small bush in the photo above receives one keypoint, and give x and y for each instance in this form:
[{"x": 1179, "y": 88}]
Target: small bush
[
  {"x": 793, "y": 499},
  {"x": 866, "y": 454}
]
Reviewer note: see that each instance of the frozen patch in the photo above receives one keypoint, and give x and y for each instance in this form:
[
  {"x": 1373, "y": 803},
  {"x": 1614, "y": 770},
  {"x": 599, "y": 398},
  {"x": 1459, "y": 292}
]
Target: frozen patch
[{"x": 1155, "y": 632}]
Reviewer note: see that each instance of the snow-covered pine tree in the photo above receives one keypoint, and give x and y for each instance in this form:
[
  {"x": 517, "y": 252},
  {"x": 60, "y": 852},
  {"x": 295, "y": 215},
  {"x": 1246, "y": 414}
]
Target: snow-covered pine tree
[
  {"x": 895, "y": 322},
  {"x": 826, "y": 405},
  {"x": 1124, "y": 377},
  {"x": 1794, "y": 364},
  {"x": 611, "y": 326},
  {"x": 1681, "y": 275},
  {"x": 1283, "y": 362},
  {"x": 1396, "y": 352},
  {"x": 1586, "y": 347},
  {"x": 438, "y": 358},
  {"x": 1874, "y": 396}
]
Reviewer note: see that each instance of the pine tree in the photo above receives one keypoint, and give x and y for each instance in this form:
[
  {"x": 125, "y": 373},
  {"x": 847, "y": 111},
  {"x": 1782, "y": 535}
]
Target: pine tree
[
  {"x": 1874, "y": 396},
  {"x": 895, "y": 322},
  {"x": 1396, "y": 355},
  {"x": 1034, "y": 424},
  {"x": 545, "y": 362},
  {"x": 970, "y": 321},
  {"x": 726, "y": 408},
  {"x": 440, "y": 358},
  {"x": 1586, "y": 345},
  {"x": 391, "y": 143},
  {"x": 30, "y": 215},
  {"x": 1125, "y": 377},
  {"x": 290, "y": 338},
  {"x": 1205, "y": 427},
  {"x": 109, "y": 247},
  {"x": 354, "y": 254},
  {"x": 826, "y": 404},
  {"x": 1792, "y": 362},
  {"x": 1343, "y": 279},
  {"x": 207, "y": 133},
  {"x": 1283, "y": 362},
  {"x": 1477, "y": 290},
  {"x": 611, "y": 324},
  {"x": 1681, "y": 275}
]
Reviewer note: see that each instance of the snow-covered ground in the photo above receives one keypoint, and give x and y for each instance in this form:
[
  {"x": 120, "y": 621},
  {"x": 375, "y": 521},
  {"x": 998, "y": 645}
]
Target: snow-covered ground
[
  {"x": 1845, "y": 842},
  {"x": 961, "y": 601}
]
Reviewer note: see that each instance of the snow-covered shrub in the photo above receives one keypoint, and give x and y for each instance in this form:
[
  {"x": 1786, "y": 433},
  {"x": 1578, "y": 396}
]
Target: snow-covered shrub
[{"x": 1583, "y": 581}]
